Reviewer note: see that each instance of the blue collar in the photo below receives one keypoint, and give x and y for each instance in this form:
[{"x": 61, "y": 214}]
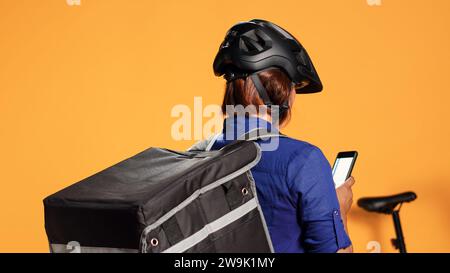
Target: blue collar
[{"x": 234, "y": 127}]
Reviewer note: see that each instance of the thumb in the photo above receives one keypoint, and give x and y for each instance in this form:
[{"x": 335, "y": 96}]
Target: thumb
[{"x": 350, "y": 181}]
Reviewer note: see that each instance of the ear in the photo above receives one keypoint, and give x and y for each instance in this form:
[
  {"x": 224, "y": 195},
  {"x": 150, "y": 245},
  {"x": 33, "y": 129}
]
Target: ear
[{"x": 292, "y": 96}]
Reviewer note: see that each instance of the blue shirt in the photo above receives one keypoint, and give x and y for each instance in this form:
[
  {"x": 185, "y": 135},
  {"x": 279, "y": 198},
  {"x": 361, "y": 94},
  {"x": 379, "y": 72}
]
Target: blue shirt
[{"x": 296, "y": 191}]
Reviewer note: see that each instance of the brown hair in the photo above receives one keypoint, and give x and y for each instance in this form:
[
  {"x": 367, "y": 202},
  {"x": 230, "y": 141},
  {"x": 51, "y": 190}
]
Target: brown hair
[{"x": 243, "y": 92}]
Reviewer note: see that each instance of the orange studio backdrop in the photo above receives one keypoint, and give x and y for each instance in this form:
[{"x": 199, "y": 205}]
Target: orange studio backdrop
[{"x": 87, "y": 83}]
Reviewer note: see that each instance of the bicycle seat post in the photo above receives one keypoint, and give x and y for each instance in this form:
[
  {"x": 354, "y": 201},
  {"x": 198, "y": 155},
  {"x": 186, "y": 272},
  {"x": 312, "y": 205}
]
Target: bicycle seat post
[
  {"x": 390, "y": 205},
  {"x": 399, "y": 242}
]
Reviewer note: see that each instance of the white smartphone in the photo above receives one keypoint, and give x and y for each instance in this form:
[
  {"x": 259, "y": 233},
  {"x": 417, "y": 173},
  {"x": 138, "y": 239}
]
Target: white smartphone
[{"x": 343, "y": 166}]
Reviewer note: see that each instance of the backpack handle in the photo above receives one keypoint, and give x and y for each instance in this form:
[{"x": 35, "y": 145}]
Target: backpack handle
[{"x": 252, "y": 135}]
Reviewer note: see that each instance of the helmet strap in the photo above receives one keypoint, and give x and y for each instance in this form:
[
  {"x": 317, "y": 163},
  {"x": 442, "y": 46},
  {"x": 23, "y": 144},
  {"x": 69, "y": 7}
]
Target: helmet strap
[{"x": 263, "y": 93}]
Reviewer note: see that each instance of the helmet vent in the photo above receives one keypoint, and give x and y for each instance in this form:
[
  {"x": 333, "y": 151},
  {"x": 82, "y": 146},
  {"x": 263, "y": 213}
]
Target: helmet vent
[{"x": 252, "y": 42}]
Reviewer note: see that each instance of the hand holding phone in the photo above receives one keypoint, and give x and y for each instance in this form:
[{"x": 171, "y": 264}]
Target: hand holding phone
[{"x": 343, "y": 166}]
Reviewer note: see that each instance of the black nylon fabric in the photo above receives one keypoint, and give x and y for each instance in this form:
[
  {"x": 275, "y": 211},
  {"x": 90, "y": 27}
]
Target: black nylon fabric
[
  {"x": 205, "y": 209},
  {"x": 172, "y": 231},
  {"x": 241, "y": 236},
  {"x": 113, "y": 207}
]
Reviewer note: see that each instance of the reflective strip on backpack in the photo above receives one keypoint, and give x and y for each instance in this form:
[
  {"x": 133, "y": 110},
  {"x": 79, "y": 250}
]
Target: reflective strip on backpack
[
  {"x": 212, "y": 227},
  {"x": 66, "y": 248}
]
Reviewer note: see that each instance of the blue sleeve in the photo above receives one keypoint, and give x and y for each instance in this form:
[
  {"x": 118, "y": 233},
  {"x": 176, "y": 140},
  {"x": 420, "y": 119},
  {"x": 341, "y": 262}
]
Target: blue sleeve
[{"x": 317, "y": 204}]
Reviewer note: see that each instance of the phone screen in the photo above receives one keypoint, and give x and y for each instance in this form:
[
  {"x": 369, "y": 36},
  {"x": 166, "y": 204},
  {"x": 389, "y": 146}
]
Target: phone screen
[{"x": 343, "y": 166}]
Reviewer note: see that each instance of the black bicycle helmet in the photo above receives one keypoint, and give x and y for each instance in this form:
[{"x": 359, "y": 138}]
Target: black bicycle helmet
[{"x": 256, "y": 45}]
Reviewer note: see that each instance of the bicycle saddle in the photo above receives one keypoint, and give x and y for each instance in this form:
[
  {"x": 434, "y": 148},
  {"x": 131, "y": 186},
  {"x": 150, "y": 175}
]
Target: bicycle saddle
[{"x": 385, "y": 204}]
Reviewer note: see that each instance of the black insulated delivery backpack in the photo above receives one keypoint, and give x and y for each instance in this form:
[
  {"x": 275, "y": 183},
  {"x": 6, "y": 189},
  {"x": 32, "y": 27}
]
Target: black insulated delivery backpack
[{"x": 164, "y": 201}]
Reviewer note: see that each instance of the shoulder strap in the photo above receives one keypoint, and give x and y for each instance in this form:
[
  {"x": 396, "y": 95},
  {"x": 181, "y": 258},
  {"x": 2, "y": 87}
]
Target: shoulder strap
[{"x": 211, "y": 142}]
